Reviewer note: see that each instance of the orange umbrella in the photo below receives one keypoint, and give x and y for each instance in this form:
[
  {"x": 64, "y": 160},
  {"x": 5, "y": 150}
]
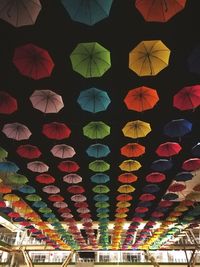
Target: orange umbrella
[
  {"x": 141, "y": 99},
  {"x": 19, "y": 204},
  {"x": 5, "y": 189},
  {"x": 127, "y": 178},
  {"x": 132, "y": 150}
]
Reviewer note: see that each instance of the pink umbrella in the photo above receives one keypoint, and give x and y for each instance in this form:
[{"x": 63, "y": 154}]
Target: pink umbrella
[
  {"x": 60, "y": 205},
  {"x": 83, "y": 210},
  {"x": 176, "y": 187},
  {"x": 66, "y": 215},
  {"x": 78, "y": 198},
  {"x": 64, "y": 210},
  {"x": 63, "y": 151},
  {"x": 16, "y": 131},
  {"x": 51, "y": 189},
  {"x": 37, "y": 166},
  {"x": 46, "y": 101},
  {"x": 86, "y": 220},
  {"x": 72, "y": 178}
]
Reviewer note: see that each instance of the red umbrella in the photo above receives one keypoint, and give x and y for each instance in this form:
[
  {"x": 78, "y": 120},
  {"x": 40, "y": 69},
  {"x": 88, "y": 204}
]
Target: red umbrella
[
  {"x": 168, "y": 149},
  {"x": 75, "y": 189},
  {"x": 192, "y": 164},
  {"x": 85, "y": 215},
  {"x": 159, "y": 10},
  {"x": 51, "y": 189},
  {"x": 8, "y": 104},
  {"x": 124, "y": 197},
  {"x": 122, "y": 210},
  {"x": 60, "y": 205},
  {"x": 56, "y": 198},
  {"x": 87, "y": 224},
  {"x": 176, "y": 187},
  {"x": 33, "y": 61},
  {"x": 127, "y": 178},
  {"x": 78, "y": 198},
  {"x": 25, "y": 223},
  {"x": 45, "y": 179},
  {"x": 5, "y": 189},
  {"x": 81, "y": 205},
  {"x": 56, "y": 130},
  {"x": 165, "y": 203},
  {"x": 72, "y": 178},
  {"x": 37, "y": 166},
  {"x": 2, "y": 204},
  {"x": 187, "y": 98},
  {"x": 132, "y": 150},
  {"x": 187, "y": 203},
  {"x": 197, "y": 188},
  {"x": 155, "y": 177},
  {"x": 63, "y": 151},
  {"x": 147, "y": 197},
  {"x": 28, "y": 151},
  {"x": 157, "y": 214},
  {"x": 120, "y": 220},
  {"x": 137, "y": 219},
  {"x": 16, "y": 131},
  {"x": 141, "y": 209},
  {"x": 83, "y": 210},
  {"x": 68, "y": 166},
  {"x": 64, "y": 210},
  {"x": 13, "y": 214}
]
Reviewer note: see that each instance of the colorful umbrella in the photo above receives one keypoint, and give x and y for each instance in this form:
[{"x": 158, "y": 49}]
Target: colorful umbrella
[
  {"x": 11, "y": 197},
  {"x": 51, "y": 189},
  {"x": 161, "y": 165},
  {"x": 8, "y": 166},
  {"x": 192, "y": 164},
  {"x": 165, "y": 203},
  {"x": 75, "y": 189},
  {"x": 141, "y": 209},
  {"x": 83, "y": 210},
  {"x": 88, "y": 12},
  {"x": 16, "y": 131},
  {"x": 130, "y": 165},
  {"x": 45, "y": 210},
  {"x": 126, "y": 189},
  {"x": 100, "y": 189},
  {"x": 37, "y": 166},
  {"x": 99, "y": 166},
  {"x": 98, "y": 150},
  {"x": 96, "y": 130},
  {"x": 101, "y": 198},
  {"x": 33, "y": 61},
  {"x": 147, "y": 197},
  {"x": 17, "y": 179},
  {"x": 136, "y": 129},
  {"x": 68, "y": 166},
  {"x": 27, "y": 189},
  {"x": 78, "y": 198},
  {"x": 177, "y": 128},
  {"x": 20, "y": 13},
  {"x": 127, "y": 178},
  {"x": 168, "y": 149},
  {"x": 8, "y": 104},
  {"x": 100, "y": 178},
  {"x": 72, "y": 178},
  {"x": 63, "y": 151},
  {"x": 151, "y": 188},
  {"x": 46, "y": 101},
  {"x": 60, "y": 205},
  {"x": 123, "y": 204},
  {"x": 148, "y": 58},
  {"x": 159, "y": 10},
  {"x": 155, "y": 177},
  {"x": 5, "y": 189},
  {"x": 28, "y": 151},
  {"x": 33, "y": 197},
  {"x": 39, "y": 204},
  {"x": 45, "y": 179},
  {"x": 90, "y": 59},
  {"x": 132, "y": 150},
  {"x": 141, "y": 99},
  {"x": 93, "y": 100},
  {"x": 56, "y": 198},
  {"x": 183, "y": 176},
  {"x": 124, "y": 197},
  {"x": 56, "y": 130}
]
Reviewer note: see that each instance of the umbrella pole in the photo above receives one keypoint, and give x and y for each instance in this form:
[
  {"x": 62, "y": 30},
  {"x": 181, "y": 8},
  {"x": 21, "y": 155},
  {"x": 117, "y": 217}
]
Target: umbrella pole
[{"x": 68, "y": 259}]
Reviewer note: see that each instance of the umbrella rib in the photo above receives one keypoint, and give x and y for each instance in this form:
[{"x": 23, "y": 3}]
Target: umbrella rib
[{"x": 25, "y": 7}]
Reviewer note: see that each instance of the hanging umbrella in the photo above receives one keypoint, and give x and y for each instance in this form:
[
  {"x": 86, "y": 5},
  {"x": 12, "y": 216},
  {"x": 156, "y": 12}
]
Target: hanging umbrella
[
  {"x": 90, "y": 59},
  {"x": 37, "y": 166},
  {"x": 147, "y": 197},
  {"x": 136, "y": 129},
  {"x": 126, "y": 189},
  {"x": 55, "y": 198},
  {"x": 170, "y": 196},
  {"x": 100, "y": 178},
  {"x": 11, "y": 197},
  {"x": 8, "y": 104},
  {"x": 183, "y": 176},
  {"x": 60, "y": 205},
  {"x": 45, "y": 210},
  {"x": 16, "y": 131},
  {"x": 141, "y": 99},
  {"x": 88, "y": 12},
  {"x": 132, "y": 150},
  {"x": 177, "y": 128},
  {"x": 17, "y": 179},
  {"x": 33, "y": 198},
  {"x": 20, "y": 13},
  {"x": 46, "y": 101},
  {"x": 27, "y": 189},
  {"x": 196, "y": 150},
  {"x": 68, "y": 166},
  {"x": 159, "y": 10},
  {"x": 63, "y": 151},
  {"x": 124, "y": 197},
  {"x": 148, "y": 58},
  {"x": 28, "y": 151},
  {"x": 39, "y": 204},
  {"x": 187, "y": 98},
  {"x": 165, "y": 203},
  {"x": 123, "y": 204},
  {"x": 141, "y": 209},
  {"x": 168, "y": 149},
  {"x": 122, "y": 210},
  {"x": 78, "y": 198},
  {"x": 161, "y": 165},
  {"x": 5, "y": 189},
  {"x": 8, "y": 166},
  {"x": 144, "y": 204},
  {"x": 45, "y": 179},
  {"x": 99, "y": 166},
  {"x": 93, "y": 100},
  {"x": 100, "y": 189},
  {"x": 75, "y": 189},
  {"x": 151, "y": 188},
  {"x": 13, "y": 214},
  {"x": 192, "y": 164},
  {"x": 98, "y": 150},
  {"x": 127, "y": 178},
  {"x": 155, "y": 177},
  {"x": 83, "y": 210},
  {"x": 51, "y": 189},
  {"x": 72, "y": 178},
  {"x": 33, "y": 61},
  {"x": 157, "y": 214},
  {"x": 56, "y": 130},
  {"x": 130, "y": 165},
  {"x": 101, "y": 198},
  {"x": 96, "y": 130}
]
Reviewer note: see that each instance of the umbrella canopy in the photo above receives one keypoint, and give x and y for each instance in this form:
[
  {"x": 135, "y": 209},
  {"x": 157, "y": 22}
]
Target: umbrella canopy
[
  {"x": 177, "y": 128},
  {"x": 99, "y": 166},
  {"x": 33, "y": 198},
  {"x": 33, "y": 61},
  {"x": 123, "y": 204},
  {"x": 8, "y": 104},
  {"x": 28, "y": 151},
  {"x": 98, "y": 150},
  {"x": 90, "y": 59},
  {"x": 124, "y": 197},
  {"x": 60, "y": 205},
  {"x": 56, "y": 130},
  {"x": 155, "y": 177},
  {"x": 27, "y": 189},
  {"x": 159, "y": 10},
  {"x": 39, "y": 204},
  {"x": 5, "y": 189},
  {"x": 100, "y": 189},
  {"x": 96, "y": 130},
  {"x": 93, "y": 100},
  {"x": 141, "y": 99},
  {"x": 45, "y": 179},
  {"x": 161, "y": 165},
  {"x": 192, "y": 164},
  {"x": 56, "y": 198},
  {"x": 127, "y": 178},
  {"x": 75, "y": 189},
  {"x": 148, "y": 58},
  {"x": 151, "y": 188},
  {"x": 147, "y": 197},
  {"x": 51, "y": 189},
  {"x": 132, "y": 150},
  {"x": 168, "y": 149},
  {"x": 72, "y": 178},
  {"x": 37, "y": 166},
  {"x": 136, "y": 129},
  {"x": 17, "y": 179},
  {"x": 8, "y": 166},
  {"x": 68, "y": 166},
  {"x": 130, "y": 165},
  {"x": 46, "y": 101},
  {"x": 16, "y": 131},
  {"x": 78, "y": 198},
  {"x": 183, "y": 176},
  {"x": 45, "y": 210},
  {"x": 170, "y": 196},
  {"x": 196, "y": 150},
  {"x": 100, "y": 178},
  {"x": 11, "y": 197},
  {"x": 88, "y": 12},
  {"x": 63, "y": 151},
  {"x": 126, "y": 189},
  {"x": 101, "y": 198}
]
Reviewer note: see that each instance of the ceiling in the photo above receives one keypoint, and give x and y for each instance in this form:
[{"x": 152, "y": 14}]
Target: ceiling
[{"x": 123, "y": 30}]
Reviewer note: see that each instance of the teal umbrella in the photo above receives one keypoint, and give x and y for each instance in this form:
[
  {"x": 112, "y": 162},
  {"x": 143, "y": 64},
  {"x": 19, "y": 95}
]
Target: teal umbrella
[
  {"x": 27, "y": 189},
  {"x": 98, "y": 150},
  {"x": 39, "y": 204},
  {"x": 103, "y": 210},
  {"x": 101, "y": 198},
  {"x": 99, "y": 166},
  {"x": 8, "y": 166},
  {"x": 100, "y": 178}
]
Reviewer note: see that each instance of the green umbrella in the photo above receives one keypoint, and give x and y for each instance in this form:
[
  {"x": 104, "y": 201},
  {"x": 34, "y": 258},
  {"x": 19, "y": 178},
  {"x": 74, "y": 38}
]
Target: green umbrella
[
  {"x": 45, "y": 210},
  {"x": 3, "y": 153},
  {"x": 52, "y": 220},
  {"x": 17, "y": 179},
  {"x": 103, "y": 215},
  {"x": 102, "y": 205},
  {"x": 33, "y": 197},
  {"x": 100, "y": 189},
  {"x": 96, "y": 130},
  {"x": 90, "y": 59},
  {"x": 99, "y": 166}
]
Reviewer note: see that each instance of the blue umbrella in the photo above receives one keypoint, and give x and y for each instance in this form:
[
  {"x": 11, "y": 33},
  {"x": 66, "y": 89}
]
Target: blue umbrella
[
  {"x": 161, "y": 165},
  {"x": 177, "y": 128},
  {"x": 88, "y": 12},
  {"x": 151, "y": 188},
  {"x": 183, "y": 176},
  {"x": 144, "y": 204},
  {"x": 27, "y": 189},
  {"x": 170, "y": 196},
  {"x": 194, "y": 61},
  {"x": 6, "y": 210},
  {"x": 19, "y": 219},
  {"x": 8, "y": 166},
  {"x": 98, "y": 151},
  {"x": 196, "y": 150},
  {"x": 101, "y": 198},
  {"x": 39, "y": 204},
  {"x": 93, "y": 100},
  {"x": 100, "y": 178},
  {"x": 49, "y": 215}
]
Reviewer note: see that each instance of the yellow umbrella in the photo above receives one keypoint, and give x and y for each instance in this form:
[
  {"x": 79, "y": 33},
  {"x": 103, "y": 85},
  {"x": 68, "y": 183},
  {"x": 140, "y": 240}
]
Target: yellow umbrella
[
  {"x": 11, "y": 197},
  {"x": 123, "y": 204},
  {"x": 130, "y": 165},
  {"x": 121, "y": 215},
  {"x": 181, "y": 208},
  {"x": 126, "y": 189},
  {"x": 148, "y": 58},
  {"x": 136, "y": 129},
  {"x": 172, "y": 219}
]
